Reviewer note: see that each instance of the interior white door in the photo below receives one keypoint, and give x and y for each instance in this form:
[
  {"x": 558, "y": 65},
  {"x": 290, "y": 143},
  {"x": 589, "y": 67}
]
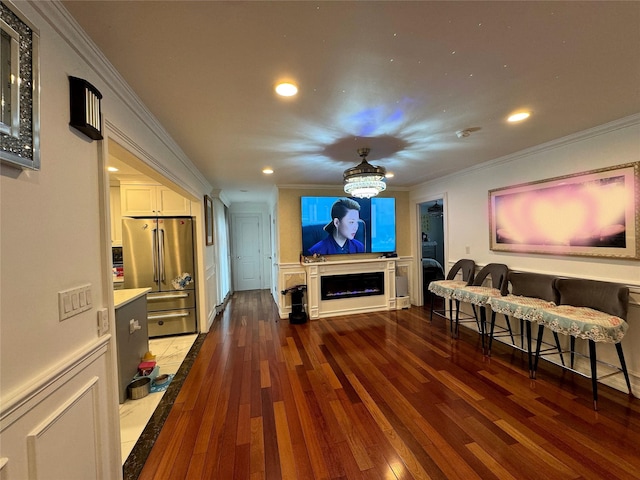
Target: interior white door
[{"x": 247, "y": 263}]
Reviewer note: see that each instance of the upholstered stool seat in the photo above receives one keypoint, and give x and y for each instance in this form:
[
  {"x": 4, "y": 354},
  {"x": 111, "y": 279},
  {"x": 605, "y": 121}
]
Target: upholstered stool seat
[
  {"x": 445, "y": 288},
  {"x": 583, "y": 322},
  {"x": 475, "y": 295},
  {"x": 518, "y": 306}
]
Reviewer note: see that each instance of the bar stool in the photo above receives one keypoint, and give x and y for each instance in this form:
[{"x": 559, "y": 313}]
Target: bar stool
[
  {"x": 591, "y": 310},
  {"x": 445, "y": 288},
  {"x": 529, "y": 293},
  {"x": 477, "y": 295}
]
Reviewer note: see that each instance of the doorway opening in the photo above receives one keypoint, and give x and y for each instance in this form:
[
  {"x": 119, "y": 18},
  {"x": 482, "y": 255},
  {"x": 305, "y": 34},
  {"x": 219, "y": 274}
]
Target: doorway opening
[
  {"x": 135, "y": 189},
  {"x": 432, "y": 243}
]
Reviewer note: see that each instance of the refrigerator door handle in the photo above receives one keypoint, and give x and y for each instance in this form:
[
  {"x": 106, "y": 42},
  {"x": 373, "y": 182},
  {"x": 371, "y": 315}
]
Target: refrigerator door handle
[
  {"x": 168, "y": 315},
  {"x": 161, "y": 250},
  {"x": 150, "y": 298},
  {"x": 155, "y": 254}
]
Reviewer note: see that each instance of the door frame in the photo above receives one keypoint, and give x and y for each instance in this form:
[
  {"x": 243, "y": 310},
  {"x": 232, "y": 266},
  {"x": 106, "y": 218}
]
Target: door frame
[
  {"x": 234, "y": 256},
  {"x": 417, "y": 240}
]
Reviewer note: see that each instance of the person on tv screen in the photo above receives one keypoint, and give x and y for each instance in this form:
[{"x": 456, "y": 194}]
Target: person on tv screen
[{"x": 341, "y": 230}]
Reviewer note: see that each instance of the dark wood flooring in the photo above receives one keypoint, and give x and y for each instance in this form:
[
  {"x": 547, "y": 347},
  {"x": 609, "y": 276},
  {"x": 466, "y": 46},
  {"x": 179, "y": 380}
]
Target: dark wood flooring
[{"x": 384, "y": 395}]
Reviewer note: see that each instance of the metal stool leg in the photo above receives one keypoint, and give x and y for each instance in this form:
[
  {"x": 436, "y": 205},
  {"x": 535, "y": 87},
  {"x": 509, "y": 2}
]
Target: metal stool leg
[
  {"x": 531, "y": 374},
  {"x": 451, "y": 314},
  {"x": 483, "y": 325},
  {"x": 538, "y": 344},
  {"x": 555, "y": 335},
  {"x": 431, "y": 313},
  {"x": 623, "y": 365},
  {"x": 594, "y": 373}
]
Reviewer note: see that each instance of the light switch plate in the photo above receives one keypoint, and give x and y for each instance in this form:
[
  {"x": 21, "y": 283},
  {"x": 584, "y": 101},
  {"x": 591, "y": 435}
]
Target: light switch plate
[
  {"x": 103, "y": 321},
  {"x": 74, "y": 301}
]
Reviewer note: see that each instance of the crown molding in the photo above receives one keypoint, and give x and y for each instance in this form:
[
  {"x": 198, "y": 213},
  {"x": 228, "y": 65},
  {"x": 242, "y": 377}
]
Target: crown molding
[
  {"x": 625, "y": 122},
  {"x": 67, "y": 27}
]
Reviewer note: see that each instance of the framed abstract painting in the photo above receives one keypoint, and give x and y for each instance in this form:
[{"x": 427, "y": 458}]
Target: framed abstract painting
[{"x": 594, "y": 213}]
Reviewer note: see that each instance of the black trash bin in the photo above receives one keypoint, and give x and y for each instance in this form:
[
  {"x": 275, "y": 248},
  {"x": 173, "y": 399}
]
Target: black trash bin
[{"x": 297, "y": 315}]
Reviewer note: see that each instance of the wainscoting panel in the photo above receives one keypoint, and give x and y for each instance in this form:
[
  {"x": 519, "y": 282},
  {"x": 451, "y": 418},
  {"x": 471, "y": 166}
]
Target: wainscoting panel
[
  {"x": 212, "y": 295},
  {"x": 289, "y": 275},
  {"x": 64, "y": 424},
  {"x": 51, "y": 458}
]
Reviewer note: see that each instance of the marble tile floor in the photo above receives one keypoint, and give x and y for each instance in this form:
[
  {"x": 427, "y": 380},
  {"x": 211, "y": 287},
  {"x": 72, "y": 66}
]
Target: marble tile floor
[{"x": 135, "y": 414}]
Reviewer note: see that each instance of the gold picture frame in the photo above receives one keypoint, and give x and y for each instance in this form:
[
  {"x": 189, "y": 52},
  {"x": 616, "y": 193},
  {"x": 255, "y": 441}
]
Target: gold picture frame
[
  {"x": 208, "y": 217},
  {"x": 594, "y": 214}
]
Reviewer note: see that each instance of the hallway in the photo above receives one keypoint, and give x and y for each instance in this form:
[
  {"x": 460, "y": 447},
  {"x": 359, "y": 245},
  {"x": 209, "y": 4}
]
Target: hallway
[{"x": 387, "y": 395}]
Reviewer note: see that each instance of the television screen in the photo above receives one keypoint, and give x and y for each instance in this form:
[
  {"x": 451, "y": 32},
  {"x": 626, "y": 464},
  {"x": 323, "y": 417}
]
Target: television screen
[{"x": 345, "y": 225}]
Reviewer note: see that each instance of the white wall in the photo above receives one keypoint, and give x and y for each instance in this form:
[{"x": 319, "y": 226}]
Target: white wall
[
  {"x": 217, "y": 263},
  {"x": 467, "y": 213},
  {"x": 57, "y": 378}
]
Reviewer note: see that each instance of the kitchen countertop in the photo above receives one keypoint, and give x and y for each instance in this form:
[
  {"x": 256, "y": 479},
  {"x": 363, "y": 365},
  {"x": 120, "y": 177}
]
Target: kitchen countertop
[{"x": 124, "y": 296}]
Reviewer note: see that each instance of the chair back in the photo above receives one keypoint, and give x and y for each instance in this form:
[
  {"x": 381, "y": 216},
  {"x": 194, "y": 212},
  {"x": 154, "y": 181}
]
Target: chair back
[
  {"x": 534, "y": 285},
  {"x": 498, "y": 273},
  {"x": 608, "y": 297},
  {"x": 466, "y": 266}
]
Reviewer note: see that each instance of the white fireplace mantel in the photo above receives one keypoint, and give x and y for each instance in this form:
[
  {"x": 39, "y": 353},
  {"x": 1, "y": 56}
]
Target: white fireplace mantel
[{"x": 318, "y": 308}]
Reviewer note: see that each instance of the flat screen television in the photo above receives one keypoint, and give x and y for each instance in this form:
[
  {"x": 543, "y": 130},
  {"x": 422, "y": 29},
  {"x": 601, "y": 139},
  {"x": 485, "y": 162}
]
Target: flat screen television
[{"x": 375, "y": 219}]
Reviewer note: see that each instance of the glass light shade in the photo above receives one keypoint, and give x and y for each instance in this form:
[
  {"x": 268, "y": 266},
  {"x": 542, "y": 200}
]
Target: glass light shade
[
  {"x": 364, "y": 180},
  {"x": 365, "y": 186}
]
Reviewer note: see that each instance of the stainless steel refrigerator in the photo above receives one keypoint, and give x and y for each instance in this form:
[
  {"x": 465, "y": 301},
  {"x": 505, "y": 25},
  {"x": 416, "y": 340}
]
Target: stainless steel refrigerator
[{"x": 159, "y": 253}]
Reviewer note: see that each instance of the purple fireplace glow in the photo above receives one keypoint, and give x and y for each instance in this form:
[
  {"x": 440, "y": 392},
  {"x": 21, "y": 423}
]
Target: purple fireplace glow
[{"x": 351, "y": 285}]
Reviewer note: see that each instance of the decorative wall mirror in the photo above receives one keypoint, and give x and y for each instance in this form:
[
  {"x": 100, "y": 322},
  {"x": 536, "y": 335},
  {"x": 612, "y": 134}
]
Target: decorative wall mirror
[
  {"x": 9, "y": 73},
  {"x": 19, "y": 90}
]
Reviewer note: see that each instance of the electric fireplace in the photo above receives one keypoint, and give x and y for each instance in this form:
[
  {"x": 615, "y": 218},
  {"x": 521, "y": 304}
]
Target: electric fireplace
[
  {"x": 333, "y": 287},
  {"x": 344, "y": 287}
]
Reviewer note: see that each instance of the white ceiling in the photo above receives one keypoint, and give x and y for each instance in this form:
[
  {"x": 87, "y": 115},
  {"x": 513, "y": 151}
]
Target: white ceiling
[{"x": 399, "y": 77}]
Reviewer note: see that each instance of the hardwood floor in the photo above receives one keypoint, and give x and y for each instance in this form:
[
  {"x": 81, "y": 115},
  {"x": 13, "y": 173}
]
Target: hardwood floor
[{"x": 387, "y": 395}]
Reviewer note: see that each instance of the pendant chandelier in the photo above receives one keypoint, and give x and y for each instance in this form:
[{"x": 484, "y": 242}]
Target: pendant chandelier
[
  {"x": 435, "y": 210},
  {"x": 364, "y": 180}
]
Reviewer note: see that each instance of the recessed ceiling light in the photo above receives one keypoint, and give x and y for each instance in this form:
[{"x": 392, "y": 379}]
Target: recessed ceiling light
[
  {"x": 390, "y": 175},
  {"x": 267, "y": 171},
  {"x": 286, "y": 89},
  {"x": 518, "y": 117},
  {"x": 112, "y": 169}
]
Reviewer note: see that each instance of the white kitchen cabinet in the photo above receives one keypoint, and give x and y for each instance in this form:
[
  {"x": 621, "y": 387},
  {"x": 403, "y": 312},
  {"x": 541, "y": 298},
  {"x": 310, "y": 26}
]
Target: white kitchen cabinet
[{"x": 151, "y": 200}]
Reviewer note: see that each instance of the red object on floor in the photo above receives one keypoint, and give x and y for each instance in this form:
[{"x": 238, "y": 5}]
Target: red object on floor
[{"x": 145, "y": 368}]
